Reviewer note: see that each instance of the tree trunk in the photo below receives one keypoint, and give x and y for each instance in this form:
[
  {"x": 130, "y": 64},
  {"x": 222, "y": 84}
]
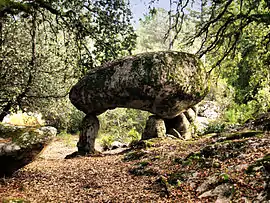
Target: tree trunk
[
  {"x": 1, "y": 42},
  {"x": 8, "y": 105},
  {"x": 32, "y": 69},
  {"x": 5, "y": 111}
]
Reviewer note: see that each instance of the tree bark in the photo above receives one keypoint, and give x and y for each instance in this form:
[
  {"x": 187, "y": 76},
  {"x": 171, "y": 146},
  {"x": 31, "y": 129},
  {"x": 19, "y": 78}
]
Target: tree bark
[
  {"x": 32, "y": 69},
  {"x": 1, "y": 42},
  {"x": 5, "y": 111}
]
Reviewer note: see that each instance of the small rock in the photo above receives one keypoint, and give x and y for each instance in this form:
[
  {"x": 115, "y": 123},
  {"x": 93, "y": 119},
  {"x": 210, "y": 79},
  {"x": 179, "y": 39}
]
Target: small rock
[
  {"x": 223, "y": 193},
  {"x": 241, "y": 167},
  {"x": 207, "y": 183},
  {"x": 209, "y": 109},
  {"x": 116, "y": 145},
  {"x": 216, "y": 165}
]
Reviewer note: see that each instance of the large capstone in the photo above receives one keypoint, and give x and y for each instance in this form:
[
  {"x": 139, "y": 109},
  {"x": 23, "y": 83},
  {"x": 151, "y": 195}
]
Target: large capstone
[{"x": 163, "y": 83}]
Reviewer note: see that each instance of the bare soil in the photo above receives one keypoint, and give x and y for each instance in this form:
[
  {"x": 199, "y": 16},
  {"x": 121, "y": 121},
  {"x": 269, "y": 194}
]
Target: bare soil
[{"x": 164, "y": 171}]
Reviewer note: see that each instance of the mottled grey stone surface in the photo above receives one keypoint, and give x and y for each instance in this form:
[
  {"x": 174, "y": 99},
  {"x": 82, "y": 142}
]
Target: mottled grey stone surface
[
  {"x": 88, "y": 134},
  {"x": 155, "y": 127},
  {"x": 163, "y": 83},
  {"x": 19, "y": 145}
]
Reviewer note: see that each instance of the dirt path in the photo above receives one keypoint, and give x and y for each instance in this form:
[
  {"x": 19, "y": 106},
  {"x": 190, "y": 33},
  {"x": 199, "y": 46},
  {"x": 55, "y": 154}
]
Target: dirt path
[
  {"x": 166, "y": 171},
  {"x": 51, "y": 178}
]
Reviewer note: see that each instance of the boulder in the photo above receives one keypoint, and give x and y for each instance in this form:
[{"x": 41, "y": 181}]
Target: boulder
[
  {"x": 209, "y": 109},
  {"x": 116, "y": 145},
  {"x": 163, "y": 83},
  {"x": 19, "y": 145},
  {"x": 222, "y": 192},
  {"x": 208, "y": 112}
]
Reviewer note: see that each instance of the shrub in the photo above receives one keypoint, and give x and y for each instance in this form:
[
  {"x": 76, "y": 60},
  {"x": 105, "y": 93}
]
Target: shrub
[
  {"x": 133, "y": 134},
  {"x": 106, "y": 141},
  {"x": 75, "y": 121},
  {"x": 240, "y": 113},
  {"x": 123, "y": 125},
  {"x": 58, "y": 120},
  {"x": 67, "y": 138},
  {"x": 215, "y": 127}
]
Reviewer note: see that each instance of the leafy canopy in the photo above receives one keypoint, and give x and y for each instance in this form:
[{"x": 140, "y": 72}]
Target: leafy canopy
[{"x": 46, "y": 45}]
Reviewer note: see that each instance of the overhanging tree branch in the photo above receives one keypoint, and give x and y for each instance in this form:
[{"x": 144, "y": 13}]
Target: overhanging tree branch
[{"x": 224, "y": 23}]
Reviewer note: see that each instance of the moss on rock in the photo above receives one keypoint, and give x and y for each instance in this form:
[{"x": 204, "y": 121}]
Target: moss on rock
[
  {"x": 19, "y": 145},
  {"x": 163, "y": 83}
]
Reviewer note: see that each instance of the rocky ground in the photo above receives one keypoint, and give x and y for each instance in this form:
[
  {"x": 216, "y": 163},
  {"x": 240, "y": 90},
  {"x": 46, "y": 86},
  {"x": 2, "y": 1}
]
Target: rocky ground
[{"x": 215, "y": 168}]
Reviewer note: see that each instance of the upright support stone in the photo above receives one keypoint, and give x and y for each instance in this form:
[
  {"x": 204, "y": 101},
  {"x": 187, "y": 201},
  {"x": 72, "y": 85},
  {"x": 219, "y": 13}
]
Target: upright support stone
[
  {"x": 155, "y": 127},
  {"x": 88, "y": 134},
  {"x": 195, "y": 108},
  {"x": 191, "y": 115},
  {"x": 184, "y": 128},
  {"x": 180, "y": 124}
]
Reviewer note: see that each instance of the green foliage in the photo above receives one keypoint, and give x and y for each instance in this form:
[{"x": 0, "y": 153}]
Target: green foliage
[
  {"x": 37, "y": 70},
  {"x": 224, "y": 178},
  {"x": 59, "y": 120},
  {"x": 68, "y": 139},
  {"x": 123, "y": 125},
  {"x": 75, "y": 121},
  {"x": 240, "y": 113},
  {"x": 233, "y": 38},
  {"x": 25, "y": 119},
  {"x": 142, "y": 169},
  {"x": 175, "y": 179},
  {"x": 144, "y": 163},
  {"x": 106, "y": 141},
  {"x": 189, "y": 159},
  {"x": 47, "y": 46},
  {"x": 151, "y": 32},
  {"x": 215, "y": 127},
  {"x": 134, "y": 134}
]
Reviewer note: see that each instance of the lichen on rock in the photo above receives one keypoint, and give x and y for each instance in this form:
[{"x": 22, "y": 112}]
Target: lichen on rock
[
  {"x": 155, "y": 127},
  {"x": 19, "y": 145},
  {"x": 163, "y": 83}
]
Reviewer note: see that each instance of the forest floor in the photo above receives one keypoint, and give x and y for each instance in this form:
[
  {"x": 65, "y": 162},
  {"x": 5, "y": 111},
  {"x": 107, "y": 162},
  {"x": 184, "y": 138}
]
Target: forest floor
[{"x": 215, "y": 168}]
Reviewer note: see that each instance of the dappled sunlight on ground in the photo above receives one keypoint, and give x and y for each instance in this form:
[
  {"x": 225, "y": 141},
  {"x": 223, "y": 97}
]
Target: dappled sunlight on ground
[{"x": 165, "y": 171}]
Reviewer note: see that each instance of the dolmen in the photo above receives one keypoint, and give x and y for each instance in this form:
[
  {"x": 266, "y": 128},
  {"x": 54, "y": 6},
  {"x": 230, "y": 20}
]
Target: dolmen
[{"x": 168, "y": 84}]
